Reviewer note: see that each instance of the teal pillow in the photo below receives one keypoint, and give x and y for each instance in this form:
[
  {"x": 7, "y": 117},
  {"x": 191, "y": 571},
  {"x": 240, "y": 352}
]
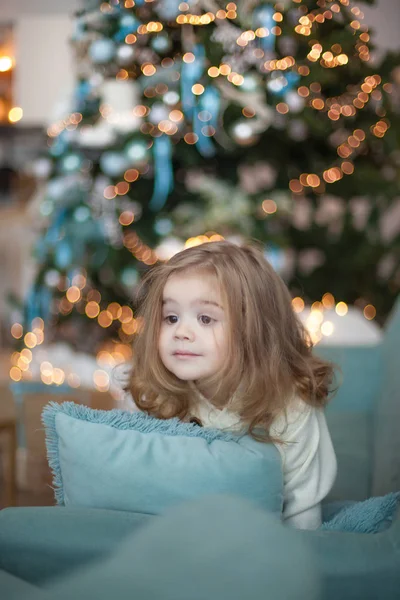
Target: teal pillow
[
  {"x": 370, "y": 516},
  {"x": 131, "y": 461}
]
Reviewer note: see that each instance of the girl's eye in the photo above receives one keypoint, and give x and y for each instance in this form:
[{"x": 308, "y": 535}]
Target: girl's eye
[
  {"x": 206, "y": 320},
  {"x": 171, "y": 319}
]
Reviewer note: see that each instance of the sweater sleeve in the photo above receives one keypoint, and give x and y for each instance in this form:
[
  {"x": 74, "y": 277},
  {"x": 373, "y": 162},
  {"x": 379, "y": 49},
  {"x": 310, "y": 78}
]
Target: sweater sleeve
[{"x": 309, "y": 464}]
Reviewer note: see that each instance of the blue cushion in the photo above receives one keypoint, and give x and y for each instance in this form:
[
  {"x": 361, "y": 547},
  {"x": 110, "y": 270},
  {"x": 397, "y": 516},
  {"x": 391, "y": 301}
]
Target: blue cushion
[
  {"x": 130, "y": 461},
  {"x": 371, "y": 516}
]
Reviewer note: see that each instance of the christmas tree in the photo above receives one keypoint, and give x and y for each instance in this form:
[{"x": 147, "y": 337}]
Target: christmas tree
[{"x": 200, "y": 119}]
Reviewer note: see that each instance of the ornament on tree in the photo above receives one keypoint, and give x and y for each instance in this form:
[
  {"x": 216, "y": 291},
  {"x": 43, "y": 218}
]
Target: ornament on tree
[
  {"x": 257, "y": 177},
  {"x": 125, "y": 55},
  {"x": 102, "y": 51},
  {"x": 113, "y": 163},
  {"x": 161, "y": 44},
  {"x": 136, "y": 152}
]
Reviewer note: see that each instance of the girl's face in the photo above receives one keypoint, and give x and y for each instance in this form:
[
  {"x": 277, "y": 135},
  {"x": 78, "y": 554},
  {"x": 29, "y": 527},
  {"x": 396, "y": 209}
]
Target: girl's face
[{"x": 193, "y": 335}]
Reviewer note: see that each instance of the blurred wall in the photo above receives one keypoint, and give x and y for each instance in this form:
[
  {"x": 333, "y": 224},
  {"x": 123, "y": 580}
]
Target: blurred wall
[{"x": 44, "y": 75}]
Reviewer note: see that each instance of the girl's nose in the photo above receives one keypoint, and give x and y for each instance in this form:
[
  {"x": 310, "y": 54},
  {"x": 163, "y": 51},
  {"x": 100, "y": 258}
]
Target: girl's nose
[{"x": 184, "y": 332}]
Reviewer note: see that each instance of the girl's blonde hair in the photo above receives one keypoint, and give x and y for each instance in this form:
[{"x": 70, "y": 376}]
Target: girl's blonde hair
[{"x": 269, "y": 352}]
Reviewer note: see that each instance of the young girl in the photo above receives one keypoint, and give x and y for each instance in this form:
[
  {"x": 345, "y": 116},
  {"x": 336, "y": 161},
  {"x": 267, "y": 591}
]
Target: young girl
[{"x": 221, "y": 346}]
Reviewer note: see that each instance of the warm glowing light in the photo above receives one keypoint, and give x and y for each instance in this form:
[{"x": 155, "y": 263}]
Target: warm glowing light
[
  {"x": 15, "y": 374},
  {"x": 225, "y": 69},
  {"x": 6, "y": 63},
  {"x": 282, "y": 108},
  {"x": 101, "y": 380},
  {"x": 130, "y": 175},
  {"x": 92, "y": 309},
  {"x": 58, "y": 376},
  {"x": 115, "y": 310},
  {"x": 341, "y": 309},
  {"x": 327, "y": 328},
  {"x": 148, "y": 70},
  {"x": 298, "y": 304},
  {"x": 176, "y": 116},
  {"x": 328, "y": 301},
  {"x": 188, "y": 57},
  {"x": 110, "y": 192},
  {"x": 213, "y": 71},
  {"x": 105, "y": 319},
  {"x": 126, "y": 218},
  {"x": 316, "y": 306},
  {"x": 122, "y": 188},
  {"x": 295, "y": 186},
  {"x": 126, "y": 314},
  {"x": 347, "y": 168},
  {"x": 197, "y": 89},
  {"x": 17, "y": 331},
  {"x": 191, "y": 138},
  {"x": 73, "y": 294},
  {"x": 30, "y": 340},
  {"x": 269, "y": 207},
  {"x": 15, "y": 114},
  {"x": 370, "y": 312}
]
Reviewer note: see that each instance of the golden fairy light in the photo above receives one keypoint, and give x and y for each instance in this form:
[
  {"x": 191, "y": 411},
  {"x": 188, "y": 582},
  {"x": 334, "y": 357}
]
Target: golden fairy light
[
  {"x": 148, "y": 69},
  {"x": 369, "y": 312},
  {"x": 30, "y": 340},
  {"x": 110, "y": 192},
  {"x": 17, "y": 331},
  {"x": 213, "y": 72},
  {"x": 104, "y": 319},
  {"x": 131, "y": 175},
  {"x": 126, "y": 314},
  {"x": 15, "y": 114},
  {"x": 191, "y": 138},
  {"x": 198, "y": 89},
  {"x": 122, "y": 188},
  {"x": 341, "y": 309},
  {"x": 327, "y": 328},
  {"x": 122, "y": 74},
  {"x": 282, "y": 108},
  {"x": 15, "y": 374},
  {"x": 92, "y": 309},
  {"x": 6, "y": 64},
  {"x": 295, "y": 186},
  {"x": 328, "y": 301},
  {"x": 73, "y": 294},
  {"x": 79, "y": 280},
  {"x": 101, "y": 380},
  {"x": 203, "y": 239},
  {"x": 126, "y": 218},
  {"x": 115, "y": 309},
  {"x": 269, "y": 206},
  {"x": 225, "y": 69},
  {"x": 298, "y": 304}
]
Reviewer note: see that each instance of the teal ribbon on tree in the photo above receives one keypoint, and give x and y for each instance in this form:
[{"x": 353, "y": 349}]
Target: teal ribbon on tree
[
  {"x": 37, "y": 304},
  {"x": 262, "y": 17},
  {"x": 190, "y": 74},
  {"x": 163, "y": 176}
]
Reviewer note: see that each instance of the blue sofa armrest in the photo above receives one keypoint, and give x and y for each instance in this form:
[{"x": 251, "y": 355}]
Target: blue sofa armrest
[{"x": 38, "y": 544}]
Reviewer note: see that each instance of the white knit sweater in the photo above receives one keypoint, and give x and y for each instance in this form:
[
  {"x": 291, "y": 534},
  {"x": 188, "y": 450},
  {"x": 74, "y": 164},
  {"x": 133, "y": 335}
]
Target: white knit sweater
[{"x": 308, "y": 458}]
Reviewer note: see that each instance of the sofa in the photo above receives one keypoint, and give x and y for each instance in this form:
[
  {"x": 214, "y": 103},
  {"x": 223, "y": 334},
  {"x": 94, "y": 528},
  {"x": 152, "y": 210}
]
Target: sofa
[{"x": 225, "y": 547}]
